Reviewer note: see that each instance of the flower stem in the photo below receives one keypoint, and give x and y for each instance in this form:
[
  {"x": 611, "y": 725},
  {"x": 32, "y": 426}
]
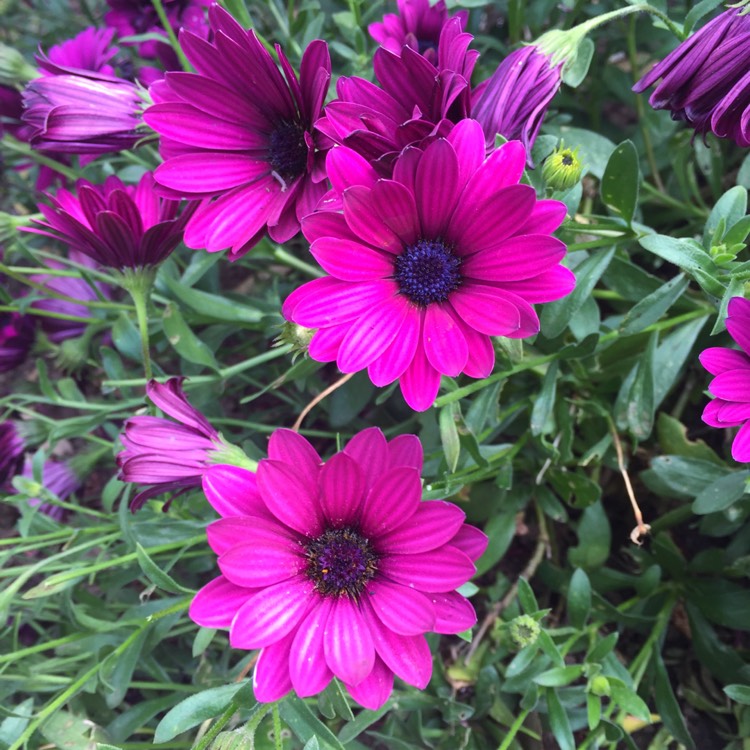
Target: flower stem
[
  {"x": 139, "y": 282},
  {"x": 277, "y": 727},
  {"x": 159, "y": 8},
  {"x": 21, "y": 148},
  {"x": 513, "y": 731}
]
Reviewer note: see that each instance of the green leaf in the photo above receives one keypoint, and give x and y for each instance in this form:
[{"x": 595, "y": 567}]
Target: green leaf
[
  {"x": 526, "y": 597},
  {"x": 126, "y": 338},
  {"x": 729, "y": 209},
  {"x": 666, "y": 703},
  {"x": 305, "y": 725},
  {"x": 593, "y": 710},
  {"x": 196, "y": 709},
  {"x": 558, "y": 721},
  {"x": 673, "y": 440},
  {"x": 556, "y": 315},
  {"x": 184, "y": 341},
  {"x": 541, "y": 414},
  {"x": 449, "y": 435},
  {"x": 635, "y": 406},
  {"x": 500, "y": 529},
  {"x": 594, "y": 536},
  {"x": 721, "y": 494},
  {"x": 559, "y": 676},
  {"x": 686, "y": 477},
  {"x": 12, "y": 727},
  {"x": 157, "y": 576},
  {"x": 738, "y": 693},
  {"x": 362, "y": 721},
  {"x": 652, "y": 307},
  {"x": 622, "y": 176},
  {"x": 629, "y": 701},
  {"x": 575, "y": 69},
  {"x": 117, "y": 670},
  {"x": 213, "y": 305},
  {"x": 686, "y": 254},
  {"x": 579, "y": 598}
]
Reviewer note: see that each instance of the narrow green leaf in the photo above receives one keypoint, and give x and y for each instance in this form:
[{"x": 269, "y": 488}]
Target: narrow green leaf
[
  {"x": 652, "y": 307},
  {"x": 686, "y": 254},
  {"x": 619, "y": 187},
  {"x": 579, "y": 598},
  {"x": 305, "y": 724},
  {"x": 559, "y": 676},
  {"x": 667, "y": 705},
  {"x": 184, "y": 341},
  {"x": 213, "y": 305},
  {"x": 544, "y": 403},
  {"x": 738, "y": 693},
  {"x": 593, "y": 710},
  {"x": 449, "y": 435},
  {"x": 526, "y": 597},
  {"x": 558, "y": 721},
  {"x": 721, "y": 494},
  {"x": 157, "y": 576},
  {"x": 629, "y": 701}
]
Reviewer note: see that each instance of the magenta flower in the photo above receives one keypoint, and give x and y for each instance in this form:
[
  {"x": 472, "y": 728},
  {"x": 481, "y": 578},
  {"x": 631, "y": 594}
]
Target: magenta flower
[
  {"x": 11, "y": 109},
  {"x": 59, "y": 479},
  {"x": 415, "y": 103},
  {"x": 12, "y": 446},
  {"x": 514, "y": 101},
  {"x": 239, "y": 135},
  {"x": 416, "y": 25},
  {"x": 59, "y": 329},
  {"x": 706, "y": 79},
  {"x": 731, "y": 386},
  {"x": 16, "y": 339},
  {"x": 172, "y": 457},
  {"x": 89, "y": 51},
  {"x": 426, "y": 267},
  {"x": 336, "y": 569},
  {"x": 117, "y": 225},
  {"x": 79, "y": 112}
]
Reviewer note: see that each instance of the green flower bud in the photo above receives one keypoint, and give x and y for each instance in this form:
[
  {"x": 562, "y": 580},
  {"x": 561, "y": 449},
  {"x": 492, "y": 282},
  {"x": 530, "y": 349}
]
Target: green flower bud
[
  {"x": 524, "y": 630},
  {"x": 14, "y": 69},
  {"x": 296, "y": 335},
  {"x": 599, "y": 685},
  {"x": 562, "y": 168}
]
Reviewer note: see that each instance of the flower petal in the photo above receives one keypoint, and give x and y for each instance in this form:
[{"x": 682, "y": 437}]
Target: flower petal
[
  {"x": 393, "y": 500},
  {"x": 369, "y": 449},
  {"x": 444, "y": 342},
  {"x": 271, "y": 679},
  {"x": 307, "y": 664},
  {"x": 289, "y": 497},
  {"x": 454, "y": 613},
  {"x": 348, "y": 645},
  {"x": 375, "y": 689},
  {"x": 262, "y": 561},
  {"x": 401, "y": 609},
  {"x": 216, "y": 604},
  {"x": 392, "y": 363},
  {"x": 229, "y": 532},
  {"x": 442, "y": 569},
  {"x": 233, "y": 491},
  {"x": 718, "y": 359},
  {"x": 732, "y": 385},
  {"x": 405, "y": 450},
  {"x": 342, "y": 487},
  {"x": 420, "y": 382},
  {"x": 434, "y": 524},
  {"x": 291, "y": 448}
]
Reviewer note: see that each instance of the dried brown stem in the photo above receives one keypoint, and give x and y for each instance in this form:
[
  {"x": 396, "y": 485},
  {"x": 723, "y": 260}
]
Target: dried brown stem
[{"x": 327, "y": 392}]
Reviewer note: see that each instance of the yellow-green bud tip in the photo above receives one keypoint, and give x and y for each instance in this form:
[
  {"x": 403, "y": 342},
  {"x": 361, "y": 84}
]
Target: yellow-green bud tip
[
  {"x": 524, "y": 631},
  {"x": 562, "y": 168},
  {"x": 599, "y": 685}
]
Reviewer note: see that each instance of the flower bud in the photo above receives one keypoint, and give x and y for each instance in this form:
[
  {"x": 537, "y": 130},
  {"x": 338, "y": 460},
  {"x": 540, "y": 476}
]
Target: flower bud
[
  {"x": 13, "y": 67},
  {"x": 599, "y": 685},
  {"x": 562, "y": 168},
  {"x": 296, "y": 335},
  {"x": 524, "y": 630}
]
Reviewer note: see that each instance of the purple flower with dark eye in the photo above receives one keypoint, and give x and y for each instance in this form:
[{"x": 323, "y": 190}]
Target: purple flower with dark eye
[
  {"x": 731, "y": 384},
  {"x": 706, "y": 79},
  {"x": 119, "y": 226},
  {"x": 170, "y": 456},
  {"x": 514, "y": 100},
  {"x": 336, "y": 569},
  {"x": 239, "y": 135},
  {"x": 426, "y": 267},
  {"x": 415, "y": 103},
  {"x": 16, "y": 339},
  {"x": 12, "y": 446},
  {"x": 416, "y": 25}
]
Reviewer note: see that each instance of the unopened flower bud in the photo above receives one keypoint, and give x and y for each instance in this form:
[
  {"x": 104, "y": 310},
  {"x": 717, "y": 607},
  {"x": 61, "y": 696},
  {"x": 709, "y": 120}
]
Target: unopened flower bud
[
  {"x": 524, "y": 630},
  {"x": 599, "y": 685},
  {"x": 13, "y": 67},
  {"x": 562, "y": 168},
  {"x": 296, "y": 335}
]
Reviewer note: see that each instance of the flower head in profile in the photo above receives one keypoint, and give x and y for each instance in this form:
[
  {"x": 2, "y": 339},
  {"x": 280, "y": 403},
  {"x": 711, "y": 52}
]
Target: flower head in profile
[
  {"x": 336, "y": 569},
  {"x": 90, "y": 51},
  {"x": 59, "y": 479},
  {"x": 731, "y": 384},
  {"x": 170, "y": 456},
  {"x": 119, "y": 226},
  {"x": 424, "y": 268},
  {"x": 514, "y": 100},
  {"x": 705, "y": 81},
  {"x": 417, "y": 25},
  {"x": 16, "y": 339},
  {"x": 12, "y": 446},
  {"x": 238, "y": 134},
  {"x": 415, "y": 102}
]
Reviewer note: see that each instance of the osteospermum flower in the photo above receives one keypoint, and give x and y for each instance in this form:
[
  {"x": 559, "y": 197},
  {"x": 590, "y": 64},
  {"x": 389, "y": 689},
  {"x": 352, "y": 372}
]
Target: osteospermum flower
[
  {"x": 415, "y": 103},
  {"x": 514, "y": 100},
  {"x": 119, "y": 226},
  {"x": 416, "y": 25},
  {"x": 16, "y": 339},
  {"x": 706, "y": 79},
  {"x": 89, "y": 51},
  {"x": 60, "y": 479},
  {"x": 731, "y": 384},
  {"x": 336, "y": 569},
  {"x": 170, "y": 456},
  {"x": 12, "y": 446},
  {"x": 239, "y": 134},
  {"x": 426, "y": 267}
]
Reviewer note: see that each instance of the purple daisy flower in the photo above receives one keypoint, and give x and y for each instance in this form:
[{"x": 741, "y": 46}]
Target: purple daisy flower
[
  {"x": 16, "y": 339},
  {"x": 426, "y": 267},
  {"x": 119, "y": 226},
  {"x": 58, "y": 329},
  {"x": 12, "y": 446},
  {"x": 415, "y": 103},
  {"x": 514, "y": 101},
  {"x": 417, "y": 25},
  {"x": 239, "y": 135},
  {"x": 336, "y": 569},
  {"x": 11, "y": 109},
  {"x": 172, "y": 457},
  {"x": 59, "y": 479},
  {"x": 90, "y": 51},
  {"x": 731, "y": 384},
  {"x": 706, "y": 79}
]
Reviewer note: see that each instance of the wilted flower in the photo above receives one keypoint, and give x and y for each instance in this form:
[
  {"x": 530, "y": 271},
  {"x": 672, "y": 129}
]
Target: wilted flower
[
  {"x": 119, "y": 226},
  {"x": 239, "y": 134},
  {"x": 336, "y": 569},
  {"x": 415, "y": 103},
  {"x": 730, "y": 387},
  {"x": 12, "y": 446},
  {"x": 16, "y": 339},
  {"x": 706, "y": 79},
  {"x": 426, "y": 267},
  {"x": 514, "y": 101},
  {"x": 171, "y": 456},
  {"x": 416, "y": 25}
]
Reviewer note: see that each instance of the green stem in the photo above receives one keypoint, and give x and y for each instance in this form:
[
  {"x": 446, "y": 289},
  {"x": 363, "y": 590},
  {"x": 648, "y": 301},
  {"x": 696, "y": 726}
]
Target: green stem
[
  {"x": 293, "y": 262},
  {"x": 139, "y": 282},
  {"x": 46, "y": 646},
  {"x": 514, "y": 729},
  {"x": 21, "y": 148},
  {"x": 277, "y": 728},
  {"x": 159, "y": 8},
  {"x": 50, "y": 314}
]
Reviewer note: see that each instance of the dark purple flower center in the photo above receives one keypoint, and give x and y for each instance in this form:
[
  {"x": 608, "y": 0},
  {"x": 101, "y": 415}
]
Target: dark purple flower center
[
  {"x": 340, "y": 562},
  {"x": 428, "y": 272},
  {"x": 288, "y": 151}
]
